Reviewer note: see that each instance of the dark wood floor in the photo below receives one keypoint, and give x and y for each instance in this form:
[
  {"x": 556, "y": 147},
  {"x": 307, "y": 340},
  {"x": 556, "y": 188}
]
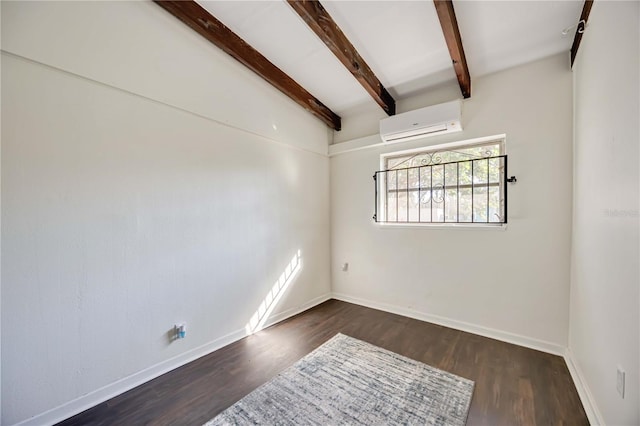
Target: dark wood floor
[{"x": 513, "y": 385}]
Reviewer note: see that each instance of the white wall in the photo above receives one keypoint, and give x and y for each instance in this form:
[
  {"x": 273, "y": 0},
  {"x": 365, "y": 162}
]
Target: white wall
[
  {"x": 143, "y": 184},
  {"x": 0, "y": 224},
  {"x": 513, "y": 284},
  {"x": 604, "y": 322}
]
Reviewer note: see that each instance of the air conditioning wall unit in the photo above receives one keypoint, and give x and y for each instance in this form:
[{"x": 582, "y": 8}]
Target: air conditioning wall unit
[{"x": 423, "y": 122}]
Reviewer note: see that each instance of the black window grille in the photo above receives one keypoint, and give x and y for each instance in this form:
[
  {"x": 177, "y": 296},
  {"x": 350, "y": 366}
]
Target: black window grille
[{"x": 469, "y": 191}]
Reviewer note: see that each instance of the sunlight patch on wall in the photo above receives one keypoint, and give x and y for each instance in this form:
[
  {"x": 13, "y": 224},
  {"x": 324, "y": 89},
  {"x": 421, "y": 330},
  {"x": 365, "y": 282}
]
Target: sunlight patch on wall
[{"x": 268, "y": 304}]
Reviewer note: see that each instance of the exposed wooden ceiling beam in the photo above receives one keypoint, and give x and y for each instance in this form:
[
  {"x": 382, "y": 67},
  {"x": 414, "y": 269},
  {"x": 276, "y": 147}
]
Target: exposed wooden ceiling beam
[
  {"x": 217, "y": 33},
  {"x": 319, "y": 20},
  {"x": 451, "y": 32},
  {"x": 582, "y": 24}
]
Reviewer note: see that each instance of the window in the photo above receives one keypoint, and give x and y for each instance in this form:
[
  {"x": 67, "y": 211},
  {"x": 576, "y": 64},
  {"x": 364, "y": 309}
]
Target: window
[{"x": 446, "y": 184}]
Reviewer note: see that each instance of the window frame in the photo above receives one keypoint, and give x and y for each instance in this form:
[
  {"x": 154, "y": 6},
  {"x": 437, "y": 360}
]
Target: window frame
[{"x": 501, "y": 139}]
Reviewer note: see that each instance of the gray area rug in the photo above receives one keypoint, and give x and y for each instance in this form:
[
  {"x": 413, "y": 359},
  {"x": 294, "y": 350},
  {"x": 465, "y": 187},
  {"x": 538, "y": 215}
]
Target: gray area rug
[{"x": 348, "y": 381}]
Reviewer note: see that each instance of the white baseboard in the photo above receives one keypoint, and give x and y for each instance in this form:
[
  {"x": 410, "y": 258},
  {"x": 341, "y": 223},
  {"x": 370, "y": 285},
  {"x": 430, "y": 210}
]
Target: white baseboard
[
  {"x": 588, "y": 401},
  {"x": 586, "y": 397},
  {"x": 109, "y": 391},
  {"x": 492, "y": 333},
  {"x": 297, "y": 310}
]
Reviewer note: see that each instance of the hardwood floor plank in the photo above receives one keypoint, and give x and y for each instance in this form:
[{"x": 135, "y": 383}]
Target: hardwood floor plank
[{"x": 513, "y": 385}]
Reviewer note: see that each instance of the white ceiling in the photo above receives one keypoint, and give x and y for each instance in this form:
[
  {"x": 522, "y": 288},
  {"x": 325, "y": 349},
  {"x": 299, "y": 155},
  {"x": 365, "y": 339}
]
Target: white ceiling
[{"x": 400, "y": 40}]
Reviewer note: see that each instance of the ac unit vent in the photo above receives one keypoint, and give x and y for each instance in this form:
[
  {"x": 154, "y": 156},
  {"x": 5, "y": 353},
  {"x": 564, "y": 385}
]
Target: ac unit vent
[{"x": 423, "y": 122}]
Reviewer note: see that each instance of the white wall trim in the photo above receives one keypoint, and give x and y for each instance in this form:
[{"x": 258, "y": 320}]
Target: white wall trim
[
  {"x": 374, "y": 141},
  {"x": 166, "y": 104},
  {"x": 492, "y": 333},
  {"x": 588, "y": 401},
  {"x": 296, "y": 310},
  {"x": 118, "y": 387},
  {"x": 355, "y": 145}
]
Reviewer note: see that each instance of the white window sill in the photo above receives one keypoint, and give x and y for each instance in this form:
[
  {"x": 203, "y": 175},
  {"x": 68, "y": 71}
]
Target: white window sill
[{"x": 448, "y": 226}]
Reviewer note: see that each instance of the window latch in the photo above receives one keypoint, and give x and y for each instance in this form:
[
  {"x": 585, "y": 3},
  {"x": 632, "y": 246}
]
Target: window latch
[{"x": 512, "y": 179}]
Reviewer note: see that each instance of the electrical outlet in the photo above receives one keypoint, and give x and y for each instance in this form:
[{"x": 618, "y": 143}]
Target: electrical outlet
[
  {"x": 620, "y": 381},
  {"x": 180, "y": 330}
]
